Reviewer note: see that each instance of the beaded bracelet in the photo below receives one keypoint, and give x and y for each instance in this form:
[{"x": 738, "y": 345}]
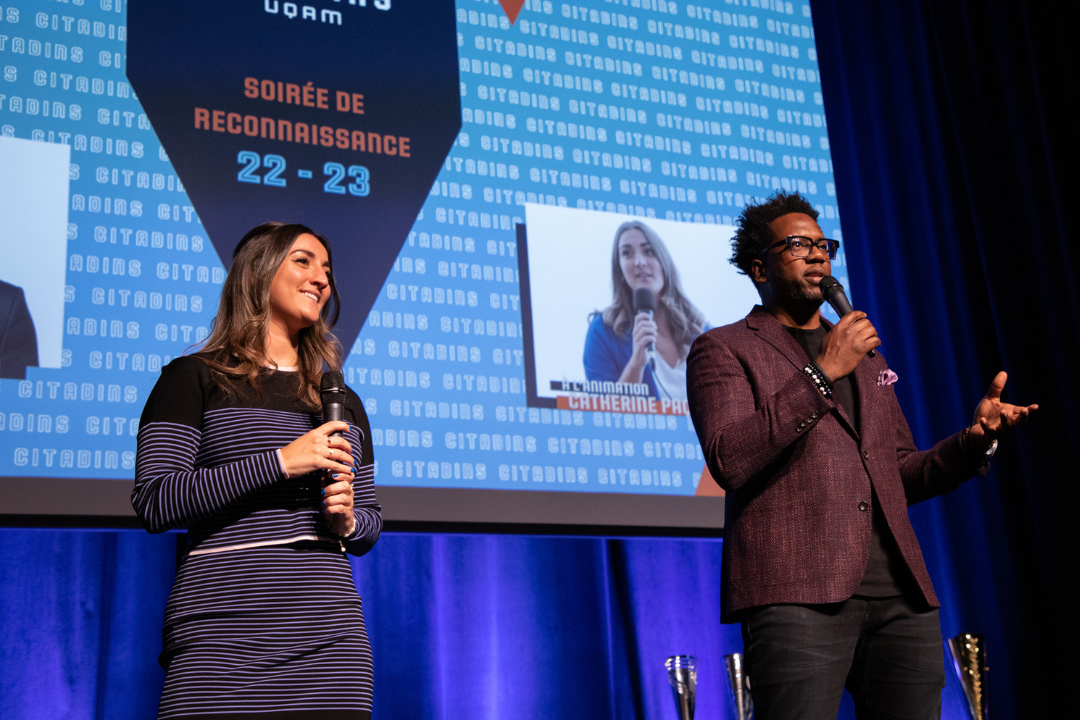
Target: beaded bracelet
[{"x": 819, "y": 378}]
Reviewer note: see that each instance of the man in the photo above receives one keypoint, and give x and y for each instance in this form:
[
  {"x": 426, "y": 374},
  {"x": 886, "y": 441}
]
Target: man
[
  {"x": 802, "y": 428},
  {"x": 18, "y": 342}
]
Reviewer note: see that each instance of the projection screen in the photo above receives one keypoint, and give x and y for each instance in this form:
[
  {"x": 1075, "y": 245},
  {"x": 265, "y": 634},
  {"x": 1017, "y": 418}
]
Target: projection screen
[{"x": 470, "y": 163}]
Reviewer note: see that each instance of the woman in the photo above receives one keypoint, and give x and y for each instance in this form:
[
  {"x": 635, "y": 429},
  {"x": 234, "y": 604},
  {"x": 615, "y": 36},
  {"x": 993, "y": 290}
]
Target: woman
[
  {"x": 617, "y": 344},
  {"x": 263, "y": 620}
]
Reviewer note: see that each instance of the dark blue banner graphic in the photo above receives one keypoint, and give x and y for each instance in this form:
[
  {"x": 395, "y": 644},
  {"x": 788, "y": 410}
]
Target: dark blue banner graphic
[{"x": 333, "y": 114}]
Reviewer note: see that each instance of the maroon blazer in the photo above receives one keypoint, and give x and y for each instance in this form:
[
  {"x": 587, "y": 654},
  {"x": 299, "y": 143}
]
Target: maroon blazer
[{"x": 798, "y": 475}]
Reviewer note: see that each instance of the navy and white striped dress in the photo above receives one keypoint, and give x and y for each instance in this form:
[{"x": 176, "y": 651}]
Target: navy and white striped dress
[{"x": 263, "y": 620}]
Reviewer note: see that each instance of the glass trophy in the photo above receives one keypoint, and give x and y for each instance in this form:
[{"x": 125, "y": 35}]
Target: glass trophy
[
  {"x": 739, "y": 682},
  {"x": 968, "y": 653},
  {"x": 682, "y": 674}
]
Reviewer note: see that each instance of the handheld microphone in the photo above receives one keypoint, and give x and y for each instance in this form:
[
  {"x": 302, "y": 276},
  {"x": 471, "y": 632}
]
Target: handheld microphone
[
  {"x": 332, "y": 394},
  {"x": 833, "y": 293},
  {"x": 644, "y": 302}
]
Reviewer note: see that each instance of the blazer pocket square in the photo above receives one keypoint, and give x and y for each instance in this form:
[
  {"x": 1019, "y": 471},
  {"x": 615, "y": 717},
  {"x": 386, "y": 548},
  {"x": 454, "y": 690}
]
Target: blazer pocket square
[{"x": 887, "y": 377}]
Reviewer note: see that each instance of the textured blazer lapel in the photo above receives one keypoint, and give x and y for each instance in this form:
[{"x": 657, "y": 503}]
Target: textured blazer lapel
[
  {"x": 865, "y": 386},
  {"x": 769, "y": 329},
  {"x": 845, "y": 420}
]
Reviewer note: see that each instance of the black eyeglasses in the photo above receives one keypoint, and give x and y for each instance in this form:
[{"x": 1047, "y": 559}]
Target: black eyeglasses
[{"x": 800, "y": 246}]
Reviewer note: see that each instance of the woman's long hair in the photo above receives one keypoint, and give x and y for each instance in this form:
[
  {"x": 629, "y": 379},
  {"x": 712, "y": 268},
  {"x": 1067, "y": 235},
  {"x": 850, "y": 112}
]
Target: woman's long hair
[
  {"x": 684, "y": 319},
  {"x": 236, "y": 347}
]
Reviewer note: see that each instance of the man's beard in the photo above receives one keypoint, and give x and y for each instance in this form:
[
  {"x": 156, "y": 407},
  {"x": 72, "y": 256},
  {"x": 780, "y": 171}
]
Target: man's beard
[{"x": 795, "y": 294}]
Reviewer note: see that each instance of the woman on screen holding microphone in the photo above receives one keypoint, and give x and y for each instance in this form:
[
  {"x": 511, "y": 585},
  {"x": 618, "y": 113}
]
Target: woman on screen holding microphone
[
  {"x": 628, "y": 342},
  {"x": 263, "y": 620}
]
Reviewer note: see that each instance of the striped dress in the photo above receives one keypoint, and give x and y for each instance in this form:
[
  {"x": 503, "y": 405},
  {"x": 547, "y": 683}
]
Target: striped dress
[{"x": 263, "y": 620}]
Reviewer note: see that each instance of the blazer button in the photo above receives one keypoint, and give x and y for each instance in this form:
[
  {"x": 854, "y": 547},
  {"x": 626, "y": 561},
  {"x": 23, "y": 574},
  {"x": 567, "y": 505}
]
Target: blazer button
[
  {"x": 864, "y": 506},
  {"x": 813, "y": 416},
  {"x": 866, "y": 455}
]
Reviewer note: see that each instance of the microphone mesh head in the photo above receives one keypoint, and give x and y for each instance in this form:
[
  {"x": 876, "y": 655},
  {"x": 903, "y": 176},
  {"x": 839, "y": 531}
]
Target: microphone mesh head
[
  {"x": 332, "y": 387},
  {"x": 644, "y": 300},
  {"x": 829, "y": 286}
]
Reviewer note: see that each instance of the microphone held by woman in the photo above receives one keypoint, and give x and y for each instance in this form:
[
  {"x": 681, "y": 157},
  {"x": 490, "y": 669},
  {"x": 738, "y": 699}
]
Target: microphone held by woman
[
  {"x": 645, "y": 302},
  {"x": 332, "y": 395}
]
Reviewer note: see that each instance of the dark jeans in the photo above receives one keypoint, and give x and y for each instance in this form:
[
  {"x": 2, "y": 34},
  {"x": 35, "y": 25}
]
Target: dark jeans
[{"x": 888, "y": 655}]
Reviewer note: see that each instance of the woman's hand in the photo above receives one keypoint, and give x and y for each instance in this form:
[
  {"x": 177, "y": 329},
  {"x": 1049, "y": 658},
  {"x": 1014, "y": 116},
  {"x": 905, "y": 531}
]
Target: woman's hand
[
  {"x": 645, "y": 332},
  {"x": 337, "y": 504},
  {"x": 317, "y": 450}
]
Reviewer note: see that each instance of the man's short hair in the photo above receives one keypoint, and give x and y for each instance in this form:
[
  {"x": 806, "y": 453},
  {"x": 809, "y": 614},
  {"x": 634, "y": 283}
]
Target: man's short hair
[{"x": 754, "y": 233}]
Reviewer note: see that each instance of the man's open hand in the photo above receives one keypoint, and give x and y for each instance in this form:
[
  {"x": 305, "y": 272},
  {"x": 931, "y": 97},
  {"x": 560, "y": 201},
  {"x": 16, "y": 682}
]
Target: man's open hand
[{"x": 993, "y": 416}]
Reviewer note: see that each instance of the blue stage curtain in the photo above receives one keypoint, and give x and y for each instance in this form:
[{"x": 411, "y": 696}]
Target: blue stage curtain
[
  {"x": 506, "y": 627},
  {"x": 80, "y": 623},
  {"x": 532, "y": 627},
  {"x": 477, "y": 626},
  {"x": 950, "y": 124}
]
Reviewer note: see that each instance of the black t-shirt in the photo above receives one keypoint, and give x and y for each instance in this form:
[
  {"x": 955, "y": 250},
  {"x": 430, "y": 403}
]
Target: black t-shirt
[{"x": 885, "y": 570}]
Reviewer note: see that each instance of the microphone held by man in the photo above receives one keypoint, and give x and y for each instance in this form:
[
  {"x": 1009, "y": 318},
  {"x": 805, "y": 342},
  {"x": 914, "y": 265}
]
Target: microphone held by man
[{"x": 833, "y": 293}]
